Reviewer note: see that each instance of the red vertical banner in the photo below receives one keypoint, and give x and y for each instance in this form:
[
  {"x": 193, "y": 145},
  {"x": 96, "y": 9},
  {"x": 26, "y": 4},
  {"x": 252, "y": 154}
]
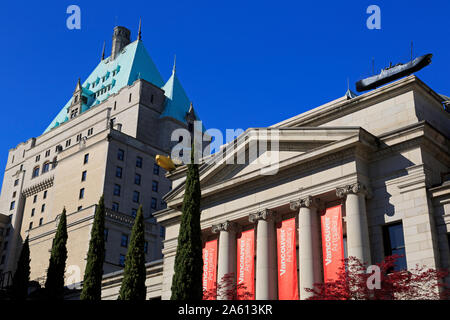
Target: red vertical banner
[
  {"x": 209, "y": 280},
  {"x": 332, "y": 242},
  {"x": 287, "y": 261},
  {"x": 246, "y": 265}
]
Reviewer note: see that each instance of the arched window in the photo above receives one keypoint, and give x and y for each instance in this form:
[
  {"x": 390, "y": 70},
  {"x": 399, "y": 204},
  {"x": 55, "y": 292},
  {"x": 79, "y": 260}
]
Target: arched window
[
  {"x": 46, "y": 167},
  {"x": 35, "y": 172}
]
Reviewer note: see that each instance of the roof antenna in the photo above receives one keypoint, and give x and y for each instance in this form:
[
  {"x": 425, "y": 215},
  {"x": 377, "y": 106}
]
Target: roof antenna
[
  {"x": 139, "y": 32},
  {"x": 115, "y": 21},
  {"x": 103, "y": 51}
]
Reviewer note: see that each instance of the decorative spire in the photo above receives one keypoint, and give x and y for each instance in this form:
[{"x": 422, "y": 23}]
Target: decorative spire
[
  {"x": 78, "y": 87},
  {"x": 139, "y": 32},
  {"x": 174, "y": 64},
  {"x": 103, "y": 51}
]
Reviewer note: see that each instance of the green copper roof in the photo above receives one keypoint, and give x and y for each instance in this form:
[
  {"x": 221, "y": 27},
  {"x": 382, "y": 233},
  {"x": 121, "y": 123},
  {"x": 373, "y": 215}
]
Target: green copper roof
[
  {"x": 131, "y": 64},
  {"x": 177, "y": 102}
]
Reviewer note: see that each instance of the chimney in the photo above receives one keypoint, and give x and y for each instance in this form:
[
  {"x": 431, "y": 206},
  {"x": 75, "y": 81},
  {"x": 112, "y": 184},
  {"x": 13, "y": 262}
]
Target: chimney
[{"x": 121, "y": 38}]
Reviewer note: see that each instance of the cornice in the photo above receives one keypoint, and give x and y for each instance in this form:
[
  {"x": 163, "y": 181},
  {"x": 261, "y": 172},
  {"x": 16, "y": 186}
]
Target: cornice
[{"x": 38, "y": 187}]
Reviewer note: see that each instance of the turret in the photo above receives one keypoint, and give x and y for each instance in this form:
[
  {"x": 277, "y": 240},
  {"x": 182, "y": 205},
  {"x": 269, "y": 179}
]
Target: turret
[{"x": 121, "y": 38}]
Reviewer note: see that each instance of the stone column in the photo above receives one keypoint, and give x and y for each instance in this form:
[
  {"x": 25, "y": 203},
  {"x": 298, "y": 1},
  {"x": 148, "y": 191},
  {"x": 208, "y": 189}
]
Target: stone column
[
  {"x": 309, "y": 244},
  {"x": 356, "y": 218},
  {"x": 266, "y": 276},
  {"x": 226, "y": 264}
]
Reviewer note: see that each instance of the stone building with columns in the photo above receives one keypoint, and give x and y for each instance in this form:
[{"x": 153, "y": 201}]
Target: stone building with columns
[{"x": 382, "y": 158}]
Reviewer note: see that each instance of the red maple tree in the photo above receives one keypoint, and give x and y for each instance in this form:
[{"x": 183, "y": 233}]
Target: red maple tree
[
  {"x": 419, "y": 283},
  {"x": 228, "y": 288}
]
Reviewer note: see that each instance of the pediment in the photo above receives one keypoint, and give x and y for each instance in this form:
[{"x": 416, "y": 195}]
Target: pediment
[{"x": 238, "y": 159}]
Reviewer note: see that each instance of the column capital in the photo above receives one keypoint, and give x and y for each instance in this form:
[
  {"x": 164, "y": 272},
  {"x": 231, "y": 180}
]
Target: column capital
[
  {"x": 227, "y": 226},
  {"x": 306, "y": 202},
  {"x": 354, "y": 188},
  {"x": 264, "y": 214}
]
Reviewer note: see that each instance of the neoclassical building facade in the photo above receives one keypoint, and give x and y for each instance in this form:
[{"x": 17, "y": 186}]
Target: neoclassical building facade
[{"x": 361, "y": 176}]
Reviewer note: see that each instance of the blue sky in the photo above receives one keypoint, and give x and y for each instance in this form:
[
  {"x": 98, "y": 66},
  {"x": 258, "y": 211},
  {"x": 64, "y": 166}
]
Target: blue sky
[{"x": 243, "y": 63}]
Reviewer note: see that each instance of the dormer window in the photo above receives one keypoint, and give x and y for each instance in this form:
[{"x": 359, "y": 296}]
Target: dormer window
[
  {"x": 75, "y": 100},
  {"x": 73, "y": 113}
]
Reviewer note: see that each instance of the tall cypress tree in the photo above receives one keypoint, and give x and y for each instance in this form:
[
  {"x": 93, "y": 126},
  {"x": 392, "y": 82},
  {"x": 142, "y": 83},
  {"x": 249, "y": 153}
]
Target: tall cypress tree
[
  {"x": 92, "y": 283},
  {"x": 133, "y": 283},
  {"x": 21, "y": 278},
  {"x": 54, "y": 285},
  {"x": 187, "y": 279}
]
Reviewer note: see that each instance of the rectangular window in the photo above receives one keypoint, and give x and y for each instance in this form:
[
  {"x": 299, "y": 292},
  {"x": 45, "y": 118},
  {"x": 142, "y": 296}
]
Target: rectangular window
[
  {"x": 116, "y": 190},
  {"x": 448, "y": 239},
  {"x": 124, "y": 240},
  {"x": 32, "y": 212},
  {"x": 79, "y": 208},
  {"x": 394, "y": 243},
  {"x": 138, "y": 162},
  {"x": 47, "y": 153},
  {"x": 79, "y": 137},
  {"x": 86, "y": 158},
  {"x": 30, "y": 226},
  {"x": 122, "y": 260},
  {"x": 105, "y": 234},
  {"x": 120, "y": 154},
  {"x": 41, "y": 220},
  {"x": 83, "y": 176},
  {"x": 12, "y": 205},
  {"x": 45, "y": 195},
  {"x": 119, "y": 172},
  {"x": 14, "y": 194},
  {"x": 115, "y": 207},
  {"x": 68, "y": 143},
  {"x": 162, "y": 231},
  {"x": 155, "y": 186},
  {"x": 145, "y": 246},
  {"x": 38, "y": 157},
  {"x": 16, "y": 182},
  {"x": 81, "y": 193},
  {"x": 154, "y": 203},
  {"x": 135, "y": 196},
  {"x": 155, "y": 169},
  {"x": 43, "y": 208},
  {"x": 137, "y": 179},
  {"x": 133, "y": 212},
  {"x": 35, "y": 198}
]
